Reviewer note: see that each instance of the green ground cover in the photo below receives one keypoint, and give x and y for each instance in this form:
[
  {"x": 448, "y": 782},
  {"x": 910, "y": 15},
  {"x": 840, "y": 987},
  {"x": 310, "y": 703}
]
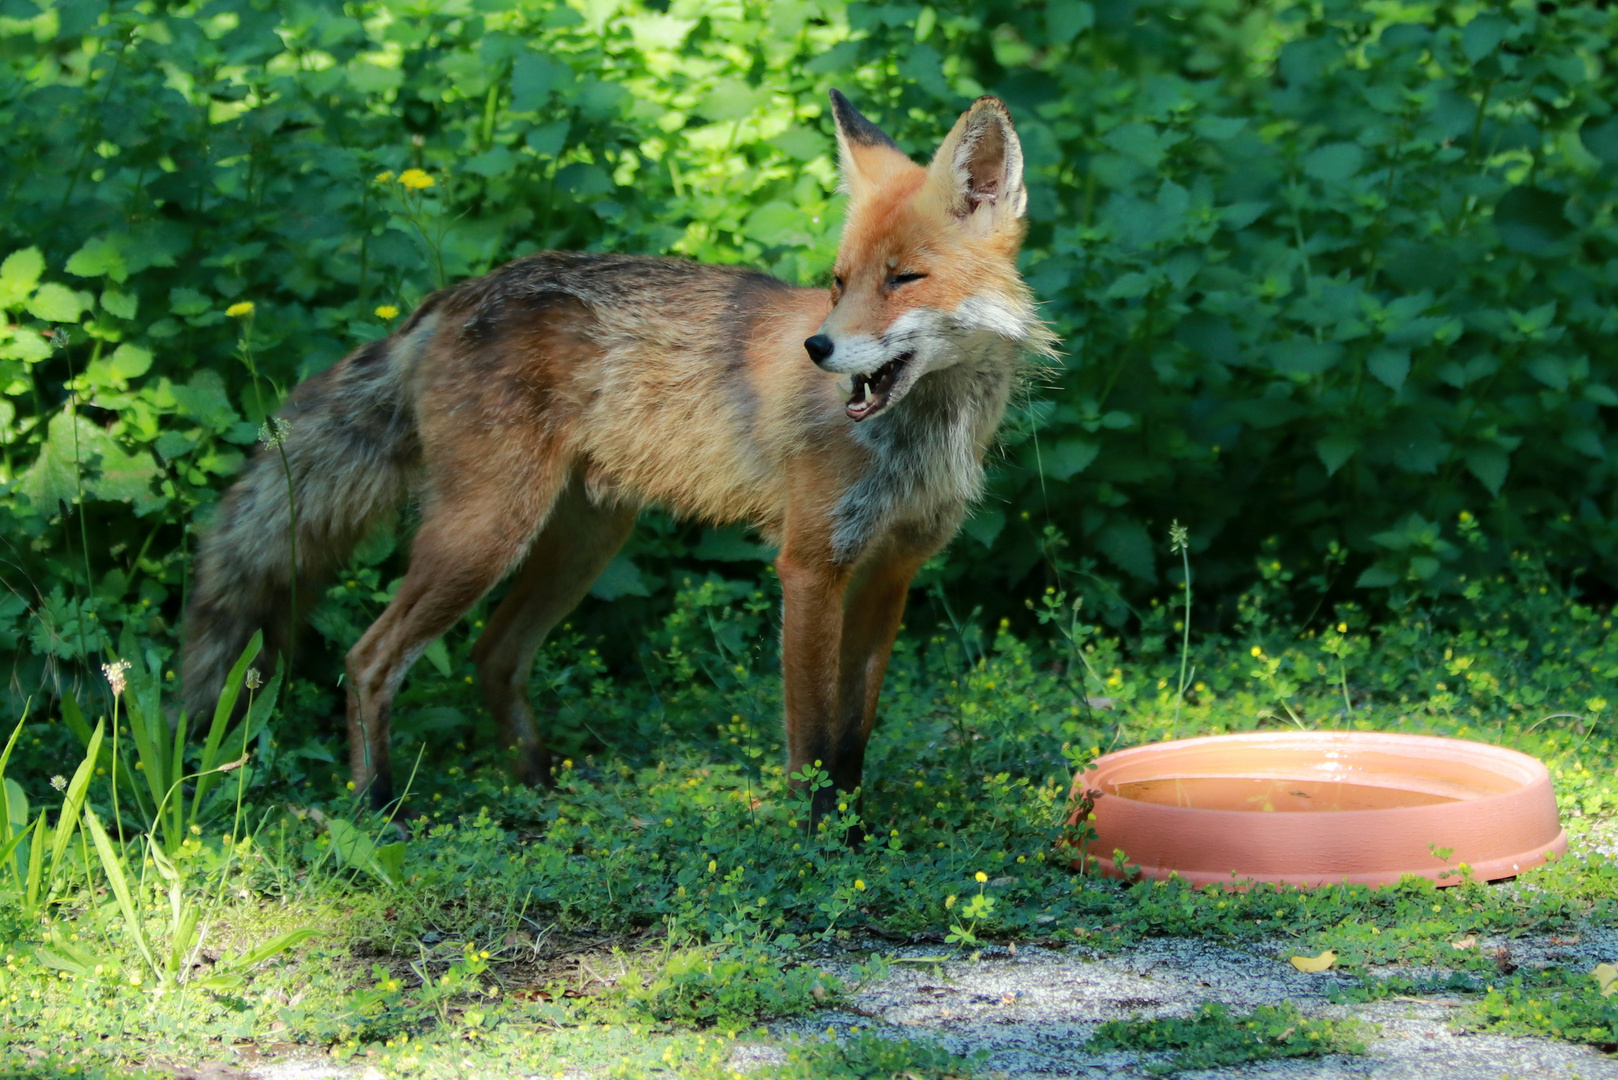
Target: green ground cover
[{"x": 667, "y": 898}]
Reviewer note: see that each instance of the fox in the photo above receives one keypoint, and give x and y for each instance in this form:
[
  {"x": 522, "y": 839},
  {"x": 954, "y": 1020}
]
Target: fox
[{"x": 532, "y": 412}]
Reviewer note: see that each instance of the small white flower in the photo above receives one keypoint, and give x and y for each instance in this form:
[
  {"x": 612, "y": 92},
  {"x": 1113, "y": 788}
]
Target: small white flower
[{"x": 115, "y": 675}]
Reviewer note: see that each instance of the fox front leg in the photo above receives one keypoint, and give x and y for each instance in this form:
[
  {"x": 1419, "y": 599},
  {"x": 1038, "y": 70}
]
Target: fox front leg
[{"x": 811, "y": 633}]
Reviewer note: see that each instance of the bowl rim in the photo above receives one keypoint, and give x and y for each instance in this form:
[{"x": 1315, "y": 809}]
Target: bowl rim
[
  {"x": 1529, "y": 777},
  {"x": 1533, "y": 771}
]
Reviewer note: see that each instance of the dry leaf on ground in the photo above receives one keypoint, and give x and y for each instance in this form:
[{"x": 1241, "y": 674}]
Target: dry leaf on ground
[{"x": 1315, "y": 963}]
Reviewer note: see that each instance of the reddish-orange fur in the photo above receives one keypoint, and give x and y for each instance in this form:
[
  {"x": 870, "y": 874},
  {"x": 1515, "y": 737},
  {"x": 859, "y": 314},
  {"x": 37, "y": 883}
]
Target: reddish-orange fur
[{"x": 534, "y": 410}]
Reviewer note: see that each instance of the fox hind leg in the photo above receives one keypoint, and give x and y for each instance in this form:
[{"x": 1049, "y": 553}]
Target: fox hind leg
[
  {"x": 578, "y": 540},
  {"x": 481, "y": 519}
]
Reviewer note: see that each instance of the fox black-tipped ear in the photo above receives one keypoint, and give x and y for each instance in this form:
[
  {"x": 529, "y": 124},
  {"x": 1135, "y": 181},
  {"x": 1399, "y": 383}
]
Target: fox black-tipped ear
[
  {"x": 978, "y": 168},
  {"x": 865, "y": 153},
  {"x": 852, "y": 126}
]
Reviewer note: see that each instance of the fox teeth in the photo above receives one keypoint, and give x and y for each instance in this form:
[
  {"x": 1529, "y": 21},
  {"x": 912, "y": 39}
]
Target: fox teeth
[{"x": 845, "y": 385}]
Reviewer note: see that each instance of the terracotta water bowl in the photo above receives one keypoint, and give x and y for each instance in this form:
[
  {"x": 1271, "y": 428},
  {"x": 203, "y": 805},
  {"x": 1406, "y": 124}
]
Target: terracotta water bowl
[{"x": 1318, "y": 807}]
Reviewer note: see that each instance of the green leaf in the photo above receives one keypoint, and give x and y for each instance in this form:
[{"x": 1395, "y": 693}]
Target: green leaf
[
  {"x": 1377, "y": 577},
  {"x": 99, "y": 257},
  {"x": 730, "y": 545},
  {"x": 1482, "y": 35},
  {"x": 985, "y": 524},
  {"x": 777, "y": 223},
  {"x": 131, "y": 361},
  {"x": 123, "y": 305},
  {"x": 56, "y": 303},
  {"x": 533, "y": 78},
  {"x": 548, "y": 140},
  {"x": 1130, "y": 286},
  {"x": 1067, "y": 457},
  {"x": 18, "y": 276},
  {"x": 63, "y": 464},
  {"x": 1301, "y": 356},
  {"x": 803, "y": 144},
  {"x": 1601, "y": 139},
  {"x": 186, "y": 301},
  {"x": 584, "y": 180},
  {"x": 391, "y": 857},
  {"x": 1219, "y": 128},
  {"x": 621, "y": 578},
  {"x": 1389, "y": 366},
  {"x": 1531, "y": 220},
  {"x": 355, "y": 849},
  {"x": 437, "y": 655},
  {"x": 204, "y": 399},
  {"x": 1128, "y": 544},
  {"x": 1550, "y": 370},
  {"x": 1335, "y": 450},
  {"x": 126, "y": 477},
  {"x": 1587, "y": 441},
  {"x": 1209, "y": 336},
  {"x": 1334, "y": 162},
  {"x": 496, "y": 161},
  {"x": 1067, "y": 19},
  {"x": 1142, "y": 143},
  {"x": 1489, "y": 464}
]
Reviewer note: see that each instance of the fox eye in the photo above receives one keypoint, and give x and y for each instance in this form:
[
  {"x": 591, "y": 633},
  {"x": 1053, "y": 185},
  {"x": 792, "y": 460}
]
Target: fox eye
[
  {"x": 837, "y": 280},
  {"x": 903, "y": 279}
]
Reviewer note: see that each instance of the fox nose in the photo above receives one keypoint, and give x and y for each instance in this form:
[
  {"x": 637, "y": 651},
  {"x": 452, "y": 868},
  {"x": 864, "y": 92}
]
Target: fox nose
[{"x": 819, "y": 348}]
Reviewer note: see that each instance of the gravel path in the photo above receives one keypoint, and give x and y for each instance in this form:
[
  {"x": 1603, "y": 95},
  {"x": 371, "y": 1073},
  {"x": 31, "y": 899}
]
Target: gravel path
[{"x": 1033, "y": 1012}]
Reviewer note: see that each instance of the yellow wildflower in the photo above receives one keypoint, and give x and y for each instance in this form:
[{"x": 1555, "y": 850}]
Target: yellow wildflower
[
  {"x": 981, "y": 877},
  {"x": 387, "y": 311},
  {"x": 384, "y": 176},
  {"x": 240, "y": 309},
  {"x": 415, "y": 179}
]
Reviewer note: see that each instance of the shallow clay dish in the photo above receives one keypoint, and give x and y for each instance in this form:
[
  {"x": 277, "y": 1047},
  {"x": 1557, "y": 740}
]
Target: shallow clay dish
[{"x": 1318, "y": 807}]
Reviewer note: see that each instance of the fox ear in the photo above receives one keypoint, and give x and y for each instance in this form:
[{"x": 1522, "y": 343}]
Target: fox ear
[
  {"x": 978, "y": 168},
  {"x": 866, "y": 155}
]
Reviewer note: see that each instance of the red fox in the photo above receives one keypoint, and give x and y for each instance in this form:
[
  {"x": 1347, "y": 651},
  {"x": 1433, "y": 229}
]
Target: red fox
[{"x": 534, "y": 410}]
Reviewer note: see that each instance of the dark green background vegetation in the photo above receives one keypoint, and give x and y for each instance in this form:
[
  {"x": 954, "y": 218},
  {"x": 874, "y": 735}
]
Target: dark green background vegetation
[{"x": 1335, "y": 280}]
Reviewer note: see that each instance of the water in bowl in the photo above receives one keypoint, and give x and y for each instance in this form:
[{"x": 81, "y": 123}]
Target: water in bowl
[{"x": 1269, "y": 795}]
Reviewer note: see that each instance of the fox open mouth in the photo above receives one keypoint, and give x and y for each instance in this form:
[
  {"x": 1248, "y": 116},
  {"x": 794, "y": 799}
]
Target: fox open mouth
[{"x": 870, "y": 392}]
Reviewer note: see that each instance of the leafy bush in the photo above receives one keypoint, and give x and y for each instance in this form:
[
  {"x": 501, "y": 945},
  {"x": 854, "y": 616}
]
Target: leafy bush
[{"x": 1335, "y": 283}]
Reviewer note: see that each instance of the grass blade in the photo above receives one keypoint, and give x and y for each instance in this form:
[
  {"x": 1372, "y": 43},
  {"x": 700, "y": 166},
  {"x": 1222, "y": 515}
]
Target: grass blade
[
  {"x": 36, "y": 868},
  {"x": 221, "y": 719},
  {"x": 68, "y": 819},
  {"x": 278, "y": 944},
  {"x": 112, "y": 863},
  {"x": 5, "y": 756}
]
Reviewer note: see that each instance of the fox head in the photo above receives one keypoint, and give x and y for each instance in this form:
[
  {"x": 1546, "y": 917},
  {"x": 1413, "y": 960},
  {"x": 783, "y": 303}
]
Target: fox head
[{"x": 926, "y": 274}]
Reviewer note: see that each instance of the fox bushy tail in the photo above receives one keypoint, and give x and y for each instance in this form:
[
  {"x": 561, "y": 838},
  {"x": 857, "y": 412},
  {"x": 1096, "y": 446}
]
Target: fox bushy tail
[{"x": 350, "y": 445}]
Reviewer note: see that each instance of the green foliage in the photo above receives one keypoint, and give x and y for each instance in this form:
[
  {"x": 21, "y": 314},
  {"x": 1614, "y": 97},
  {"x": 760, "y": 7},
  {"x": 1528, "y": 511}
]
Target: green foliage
[
  {"x": 1215, "y": 1036},
  {"x": 725, "y": 985},
  {"x": 1560, "y": 1002},
  {"x": 1325, "y": 274}
]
